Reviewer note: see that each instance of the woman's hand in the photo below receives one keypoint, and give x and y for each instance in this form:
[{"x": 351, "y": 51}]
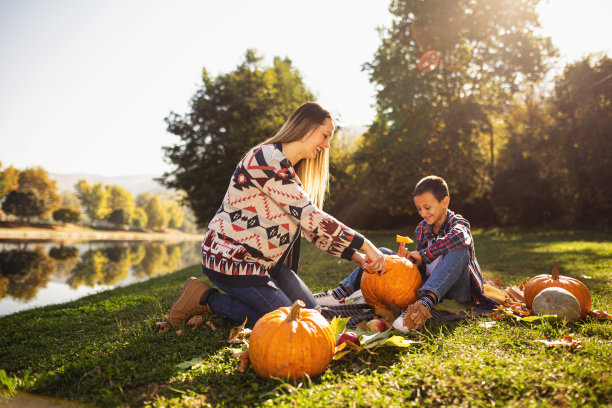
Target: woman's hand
[{"x": 374, "y": 258}]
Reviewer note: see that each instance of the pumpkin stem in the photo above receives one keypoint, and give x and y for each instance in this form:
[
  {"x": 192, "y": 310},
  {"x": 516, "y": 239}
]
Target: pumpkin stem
[
  {"x": 555, "y": 271},
  {"x": 294, "y": 313}
]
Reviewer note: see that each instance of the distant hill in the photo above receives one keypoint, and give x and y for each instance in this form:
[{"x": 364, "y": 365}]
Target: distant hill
[{"x": 134, "y": 184}]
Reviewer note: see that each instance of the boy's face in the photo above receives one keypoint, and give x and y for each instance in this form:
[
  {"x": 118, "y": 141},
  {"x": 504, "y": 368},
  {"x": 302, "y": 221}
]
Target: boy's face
[{"x": 432, "y": 210}]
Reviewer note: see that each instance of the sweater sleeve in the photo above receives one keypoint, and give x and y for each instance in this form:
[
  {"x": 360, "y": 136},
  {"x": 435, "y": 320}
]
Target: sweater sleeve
[
  {"x": 458, "y": 236},
  {"x": 273, "y": 174}
]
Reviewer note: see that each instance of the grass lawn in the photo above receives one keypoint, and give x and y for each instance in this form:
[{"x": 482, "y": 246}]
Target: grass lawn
[{"x": 104, "y": 349}]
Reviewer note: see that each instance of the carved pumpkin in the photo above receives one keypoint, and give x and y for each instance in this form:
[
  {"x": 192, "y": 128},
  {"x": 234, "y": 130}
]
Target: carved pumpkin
[
  {"x": 557, "y": 301},
  {"x": 396, "y": 288},
  {"x": 290, "y": 342},
  {"x": 573, "y": 286}
]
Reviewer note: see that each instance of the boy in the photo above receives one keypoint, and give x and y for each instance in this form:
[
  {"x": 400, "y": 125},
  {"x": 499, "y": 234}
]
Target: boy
[{"x": 445, "y": 256}]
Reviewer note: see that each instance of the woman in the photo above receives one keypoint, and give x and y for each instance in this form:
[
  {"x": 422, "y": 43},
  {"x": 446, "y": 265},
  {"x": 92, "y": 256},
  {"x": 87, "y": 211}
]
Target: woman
[{"x": 251, "y": 248}]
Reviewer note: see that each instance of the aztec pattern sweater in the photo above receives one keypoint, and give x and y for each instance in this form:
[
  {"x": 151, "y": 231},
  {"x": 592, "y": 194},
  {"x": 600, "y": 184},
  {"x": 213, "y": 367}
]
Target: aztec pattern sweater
[{"x": 263, "y": 209}]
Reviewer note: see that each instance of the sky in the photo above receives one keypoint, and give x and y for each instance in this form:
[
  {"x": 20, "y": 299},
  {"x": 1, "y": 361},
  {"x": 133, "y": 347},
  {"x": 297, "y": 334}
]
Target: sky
[{"x": 85, "y": 85}]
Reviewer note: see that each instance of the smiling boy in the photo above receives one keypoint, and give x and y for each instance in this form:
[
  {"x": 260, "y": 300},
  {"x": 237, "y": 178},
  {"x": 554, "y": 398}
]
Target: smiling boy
[{"x": 445, "y": 255}]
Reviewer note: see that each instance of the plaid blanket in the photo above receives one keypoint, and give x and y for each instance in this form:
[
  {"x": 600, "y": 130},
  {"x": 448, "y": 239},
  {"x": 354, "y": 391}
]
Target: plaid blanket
[{"x": 357, "y": 310}]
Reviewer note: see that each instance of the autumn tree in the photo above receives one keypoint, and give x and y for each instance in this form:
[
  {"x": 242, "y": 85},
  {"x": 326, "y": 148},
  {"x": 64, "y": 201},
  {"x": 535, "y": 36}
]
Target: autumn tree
[
  {"x": 119, "y": 199},
  {"x": 440, "y": 121},
  {"x": 229, "y": 114},
  {"x": 37, "y": 179},
  {"x": 9, "y": 180},
  {"x": 24, "y": 204},
  {"x": 156, "y": 214},
  {"x": 94, "y": 199},
  {"x": 66, "y": 215}
]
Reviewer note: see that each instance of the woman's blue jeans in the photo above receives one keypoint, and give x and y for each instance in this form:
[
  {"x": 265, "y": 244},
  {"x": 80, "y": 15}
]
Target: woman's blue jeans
[
  {"x": 451, "y": 279},
  {"x": 251, "y": 303}
]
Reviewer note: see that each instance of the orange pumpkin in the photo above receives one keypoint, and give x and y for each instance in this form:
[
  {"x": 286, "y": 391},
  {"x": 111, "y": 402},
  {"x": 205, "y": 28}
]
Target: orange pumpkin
[
  {"x": 573, "y": 286},
  {"x": 396, "y": 288},
  {"x": 290, "y": 342}
]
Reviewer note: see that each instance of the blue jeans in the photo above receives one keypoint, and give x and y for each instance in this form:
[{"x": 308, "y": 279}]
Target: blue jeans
[
  {"x": 451, "y": 279},
  {"x": 353, "y": 281},
  {"x": 251, "y": 303}
]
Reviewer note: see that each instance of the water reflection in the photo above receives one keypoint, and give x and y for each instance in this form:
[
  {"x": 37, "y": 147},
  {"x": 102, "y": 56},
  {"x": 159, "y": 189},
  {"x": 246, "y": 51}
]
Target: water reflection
[{"x": 36, "y": 274}]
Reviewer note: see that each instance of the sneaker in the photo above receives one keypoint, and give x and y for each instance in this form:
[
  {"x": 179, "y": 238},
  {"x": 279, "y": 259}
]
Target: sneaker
[
  {"x": 398, "y": 324},
  {"x": 327, "y": 299},
  {"x": 188, "y": 303}
]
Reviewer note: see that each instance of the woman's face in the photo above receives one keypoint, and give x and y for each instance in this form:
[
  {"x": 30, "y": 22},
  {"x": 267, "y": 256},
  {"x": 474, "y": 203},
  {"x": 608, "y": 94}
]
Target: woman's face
[{"x": 319, "y": 139}]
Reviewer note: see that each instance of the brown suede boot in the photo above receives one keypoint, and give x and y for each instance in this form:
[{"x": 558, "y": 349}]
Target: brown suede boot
[{"x": 188, "y": 303}]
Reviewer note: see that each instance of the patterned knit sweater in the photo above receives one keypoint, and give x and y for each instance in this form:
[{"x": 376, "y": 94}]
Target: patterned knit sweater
[{"x": 263, "y": 209}]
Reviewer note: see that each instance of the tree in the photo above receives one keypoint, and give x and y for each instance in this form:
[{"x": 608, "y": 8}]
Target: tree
[
  {"x": 65, "y": 214},
  {"x": 9, "y": 180},
  {"x": 156, "y": 214},
  {"x": 119, "y": 199},
  {"x": 442, "y": 121},
  {"x": 94, "y": 199},
  {"x": 583, "y": 101},
  {"x": 24, "y": 204},
  {"x": 139, "y": 218},
  {"x": 229, "y": 114},
  {"x": 176, "y": 214},
  {"x": 119, "y": 217},
  {"x": 37, "y": 179}
]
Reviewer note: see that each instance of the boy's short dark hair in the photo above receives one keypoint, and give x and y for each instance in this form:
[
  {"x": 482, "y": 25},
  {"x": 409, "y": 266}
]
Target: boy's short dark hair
[{"x": 434, "y": 184}]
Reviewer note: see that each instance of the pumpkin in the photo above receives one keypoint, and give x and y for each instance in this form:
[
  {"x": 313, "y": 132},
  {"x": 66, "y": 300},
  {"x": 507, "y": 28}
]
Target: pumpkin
[
  {"x": 573, "y": 286},
  {"x": 291, "y": 342},
  {"x": 396, "y": 288},
  {"x": 557, "y": 301}
]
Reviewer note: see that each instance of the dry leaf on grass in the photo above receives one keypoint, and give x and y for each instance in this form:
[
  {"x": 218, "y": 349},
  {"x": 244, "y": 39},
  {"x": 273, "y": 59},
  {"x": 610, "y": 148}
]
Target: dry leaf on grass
[
  {"x": 162, "y": 327},
  {"x": 211, "y": 325},
  {"x": 243, "y": 356},
  {"x": 179, "y": 332},
  {"x": 195, "y": 321},
  {"x": 599, "y": 314},
  {"x": 239, "y": 334},
  {"x": 567, "y": 341}
]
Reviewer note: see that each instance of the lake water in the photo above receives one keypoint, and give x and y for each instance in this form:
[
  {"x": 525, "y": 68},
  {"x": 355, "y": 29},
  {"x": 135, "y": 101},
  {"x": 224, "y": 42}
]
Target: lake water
[{"x": 39, "y": 273}]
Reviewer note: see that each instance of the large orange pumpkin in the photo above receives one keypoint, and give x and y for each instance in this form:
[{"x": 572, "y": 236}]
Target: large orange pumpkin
[
  {"x": 573, "y": 286},
  {"x": 291, "y": 342},
  {"x": 396, "y": 288}
]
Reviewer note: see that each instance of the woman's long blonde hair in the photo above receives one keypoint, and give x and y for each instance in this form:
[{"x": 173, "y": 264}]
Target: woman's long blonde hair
[{"x": 314, "y": 174}]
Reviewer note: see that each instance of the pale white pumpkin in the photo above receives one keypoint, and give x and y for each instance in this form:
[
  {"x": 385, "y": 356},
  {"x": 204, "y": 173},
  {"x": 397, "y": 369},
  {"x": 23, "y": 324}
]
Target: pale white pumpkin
[{"x": 557, "y": 301}]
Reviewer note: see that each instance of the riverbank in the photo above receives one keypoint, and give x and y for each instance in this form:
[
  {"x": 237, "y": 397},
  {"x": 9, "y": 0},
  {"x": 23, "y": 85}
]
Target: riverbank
[{"x": 71, "y": 232}]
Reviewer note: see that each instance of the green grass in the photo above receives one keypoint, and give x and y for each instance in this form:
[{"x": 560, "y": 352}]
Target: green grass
[{"x": 104, "y": 350}]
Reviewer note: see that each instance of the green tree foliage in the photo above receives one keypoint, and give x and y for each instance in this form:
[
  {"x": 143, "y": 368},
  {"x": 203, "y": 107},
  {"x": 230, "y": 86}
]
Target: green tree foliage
[
  {"x": 156, "y": 214},
  {"x": 70, "y": 200},
  {"x": 94, "y": 199},
  {"x": 119, "y": 199},
  {"x": 440, "y": 122},
  {"x": 176, "y": 214},
  {"x": 583, "y": 107},
  {"x": 229, "y": 114},
  {"x": 9, "y": 180},
  {"x": 119, "y": 217},
  {"x": 65, "y": 214},
  {"x": 37, "y": 179},
  {"x": 139, "y": 218},
  {"x": 24, "y": 204}
]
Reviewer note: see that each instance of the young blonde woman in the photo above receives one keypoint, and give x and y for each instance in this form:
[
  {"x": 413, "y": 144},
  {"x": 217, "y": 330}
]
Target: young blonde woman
[{"x": 251, "y": 248}]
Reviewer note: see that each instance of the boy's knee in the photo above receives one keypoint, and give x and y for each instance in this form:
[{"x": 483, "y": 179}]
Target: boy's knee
[{"x": 386, "y": 251}]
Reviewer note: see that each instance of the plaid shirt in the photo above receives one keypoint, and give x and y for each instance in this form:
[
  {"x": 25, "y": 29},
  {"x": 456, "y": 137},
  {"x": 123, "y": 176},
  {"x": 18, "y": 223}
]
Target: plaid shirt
[{"x": 453, "y": 234}]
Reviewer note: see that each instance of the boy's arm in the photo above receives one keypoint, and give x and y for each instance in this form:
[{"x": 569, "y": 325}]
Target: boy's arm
[{"x": 458, "y": 236}]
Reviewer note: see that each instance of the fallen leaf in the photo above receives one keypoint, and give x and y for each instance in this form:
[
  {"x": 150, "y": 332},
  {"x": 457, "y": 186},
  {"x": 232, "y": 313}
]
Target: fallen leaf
[
  {"x": 162, "y": 327},
  {"x": 488, "y": 325},
  {"x": 243, "y": 356},
  {"x": 196, "y": 321},
  {"x": 185, "y": 365},
  {"x": 516, "y": 293},
  {"x": 363, "y": 325},
  {"x": 212, "y": 327},
  {"x": 599, "y": 314},
  {"x": 179, "y": 332},
  {"x": 451, "y": 306},
  {"x": 497, "y": 315},
  {"x": 567, "y": 341},
  {"x": 338, "y": 324},
  {"x": 399, "y": 341},
  {"x": 238, "y": 334}
]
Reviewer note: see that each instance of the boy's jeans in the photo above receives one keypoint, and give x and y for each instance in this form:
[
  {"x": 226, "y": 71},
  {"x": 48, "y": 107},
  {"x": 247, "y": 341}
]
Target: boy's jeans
[
  {"x": 451, "y": 279},
  {"x": 251, "y": 303}
]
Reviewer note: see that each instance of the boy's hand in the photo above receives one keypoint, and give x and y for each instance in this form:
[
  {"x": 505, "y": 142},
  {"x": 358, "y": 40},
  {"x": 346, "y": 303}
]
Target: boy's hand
[
  {"x": 415, "y": 257},
  {"x": 402, "y": 251}
]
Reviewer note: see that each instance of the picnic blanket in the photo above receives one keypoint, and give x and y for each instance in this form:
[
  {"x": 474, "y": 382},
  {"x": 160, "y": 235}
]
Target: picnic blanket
[{"x": 357, "y": 310}]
